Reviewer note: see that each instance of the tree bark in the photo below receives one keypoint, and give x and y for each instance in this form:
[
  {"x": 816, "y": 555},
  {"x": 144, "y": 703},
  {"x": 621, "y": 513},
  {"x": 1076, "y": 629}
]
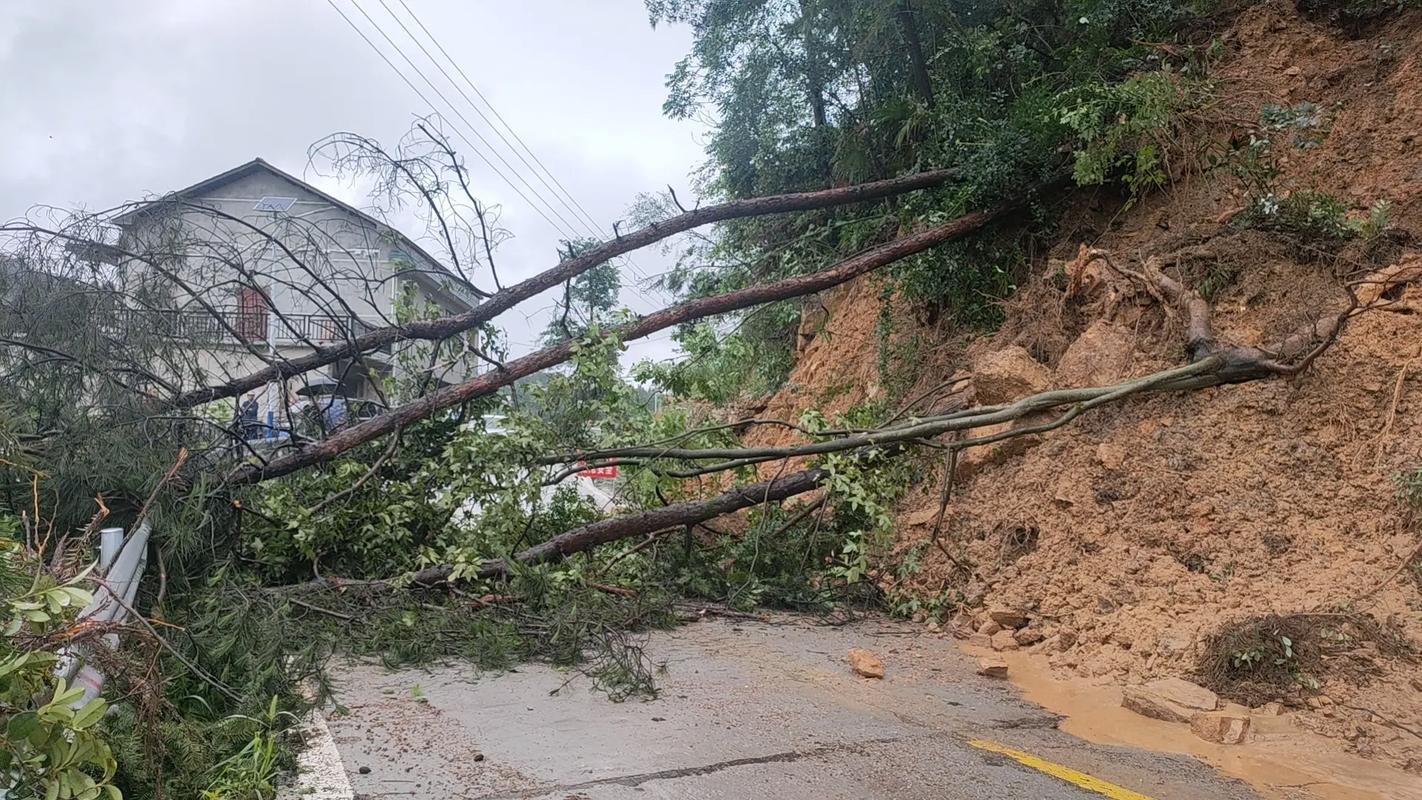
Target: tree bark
[
  {"x": 506, "y": 299},
  {"x": 642, "y": 523},
  {"x": 918, "y": 67},
  {"x": 553, "y": 355}
]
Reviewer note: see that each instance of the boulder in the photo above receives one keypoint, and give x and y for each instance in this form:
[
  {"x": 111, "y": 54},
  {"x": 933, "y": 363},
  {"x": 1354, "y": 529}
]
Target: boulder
[
  {"x": 1102, "y": 354},
  {"x": 962, "y": 625},
  {"x": 865, "y": 663},
  {"x": 1169, "y": 699},
  {"x": 980, "y": 640},
  {"x": 1008, "y": 374},
  {"x": 1002, "y": 640},
  {"x": 992, "y": 667},
  {"x": 1028, "y": 636},
  {"x": 1007, "y": 617},
  {"x": 990, "y": 627},
  {"x": 1220, "y": 727}
]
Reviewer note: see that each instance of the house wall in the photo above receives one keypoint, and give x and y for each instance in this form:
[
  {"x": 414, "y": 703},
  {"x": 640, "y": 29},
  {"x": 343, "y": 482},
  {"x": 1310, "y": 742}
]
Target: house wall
[{"x": 349, "y": 267}]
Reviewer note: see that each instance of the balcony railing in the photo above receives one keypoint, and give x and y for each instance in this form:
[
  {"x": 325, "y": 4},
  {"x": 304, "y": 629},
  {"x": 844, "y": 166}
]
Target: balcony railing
[{"x": 240, "y": 326}]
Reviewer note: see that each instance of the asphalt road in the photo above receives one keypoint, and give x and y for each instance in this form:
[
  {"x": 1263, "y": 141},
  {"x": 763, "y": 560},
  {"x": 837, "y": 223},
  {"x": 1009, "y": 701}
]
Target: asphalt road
[{"x": 747, "y": 709}]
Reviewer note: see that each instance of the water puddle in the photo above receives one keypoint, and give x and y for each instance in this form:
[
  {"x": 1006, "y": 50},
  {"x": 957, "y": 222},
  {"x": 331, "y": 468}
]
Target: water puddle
[{"x": 1281, "y": 761}]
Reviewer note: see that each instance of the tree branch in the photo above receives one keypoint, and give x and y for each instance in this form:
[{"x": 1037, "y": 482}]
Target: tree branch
[{"x": 506, "y": 299}]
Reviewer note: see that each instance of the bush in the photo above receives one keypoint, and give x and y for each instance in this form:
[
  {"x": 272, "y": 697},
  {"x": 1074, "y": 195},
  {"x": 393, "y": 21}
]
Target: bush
[{"x": 1309, "y": 215}]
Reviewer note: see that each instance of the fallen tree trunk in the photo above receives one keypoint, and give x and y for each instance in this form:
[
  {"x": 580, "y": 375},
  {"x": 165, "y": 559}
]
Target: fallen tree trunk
[
  {"x": 539, "y": 360},
  {"x": 677, "y": 515},
  {"x": 499, "y": 302},
  {"x": 1212, "y": 363}
]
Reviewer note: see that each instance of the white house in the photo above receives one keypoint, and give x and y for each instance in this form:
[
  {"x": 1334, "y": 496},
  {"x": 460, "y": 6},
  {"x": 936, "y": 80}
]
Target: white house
[{"x": 255, "y": 264}]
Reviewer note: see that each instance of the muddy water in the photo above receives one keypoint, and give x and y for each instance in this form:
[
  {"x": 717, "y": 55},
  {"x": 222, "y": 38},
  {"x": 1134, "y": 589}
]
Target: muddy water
[{"x": 1280, "y": 761}]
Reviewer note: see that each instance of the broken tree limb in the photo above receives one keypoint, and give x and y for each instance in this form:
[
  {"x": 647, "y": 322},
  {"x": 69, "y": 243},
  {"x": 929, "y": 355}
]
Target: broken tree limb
[
  {"x": 642, "y": 523},
  {"x": 489, "y": 382},
  {"x": 501, "y": 301}
]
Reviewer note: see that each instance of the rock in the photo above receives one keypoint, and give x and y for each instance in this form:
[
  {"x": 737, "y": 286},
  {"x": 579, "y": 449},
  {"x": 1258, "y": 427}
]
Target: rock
[
  {"x": 1102, "y": 354},
  {"x": 1272, "y": 709},
  {"x": 990, "y": 627},
  {"x": 980, "y": 640},
  {"x": 992, "y": 667},
  {"x": 1220, "y": 727},
  {"x": 364, "y": 770},
  {"x": 1066, "y": 637},
  {"x": 1028, "y": 636},
  {"x": 865, "y": 663},
  {"x": 1372, "y": 286},
  {"x": 1008, "y": 374},
  {"x": 961, "y": 626},
  {"x": 1007, "y": 617},
  {"x": 480, "y": 756},
  {"x": 1111, "y": 456},
  {"x": 1169, "y": 699},
  {"x": 1002, "y": 640}
]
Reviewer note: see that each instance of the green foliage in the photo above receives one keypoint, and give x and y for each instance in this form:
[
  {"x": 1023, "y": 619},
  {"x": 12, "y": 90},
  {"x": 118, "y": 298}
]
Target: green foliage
[
  {"x": 1306, "y": 122},
  {"x": 588, "y": 299},
  {"x": 816, "y": 92},
  {"x": 50, "y": 747},
  {"x": 250, "y": 773},
  {"x": 1310, "y": 215},
  {"x": 1306, "y": 214},
  {"x": 1409, "y": 489},
  {"x": 1122, "y": 129}
]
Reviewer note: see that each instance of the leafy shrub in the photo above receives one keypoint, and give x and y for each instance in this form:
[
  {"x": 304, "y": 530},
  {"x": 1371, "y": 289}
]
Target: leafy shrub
[
  {"x": 49, "y": 747},
  {"x": 1123, "y": 129},
  {"x": 1307, "y": 214}
]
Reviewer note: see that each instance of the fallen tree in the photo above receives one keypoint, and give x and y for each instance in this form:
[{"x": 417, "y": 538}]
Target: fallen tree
[
  {"x": 501, "y": 301},
  {"x": 539, "y": 360},
  {"x": 1212, "y": 362}
]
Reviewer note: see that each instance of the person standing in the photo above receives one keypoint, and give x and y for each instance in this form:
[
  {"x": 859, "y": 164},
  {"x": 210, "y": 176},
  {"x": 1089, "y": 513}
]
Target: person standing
[{"x": 247, "y": 416}]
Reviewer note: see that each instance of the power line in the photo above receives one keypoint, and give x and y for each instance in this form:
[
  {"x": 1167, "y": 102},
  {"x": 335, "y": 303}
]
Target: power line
[
  {"x": 493, "y": 110},
  {"x": 562, "y": 229},
  {"x": 575, "y": 207},
  {"x": 632, "y": 265}
]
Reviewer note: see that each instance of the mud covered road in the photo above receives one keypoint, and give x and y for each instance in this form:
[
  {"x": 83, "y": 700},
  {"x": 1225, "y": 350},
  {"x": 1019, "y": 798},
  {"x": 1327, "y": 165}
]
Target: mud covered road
[{"x": 747, "y": 709}]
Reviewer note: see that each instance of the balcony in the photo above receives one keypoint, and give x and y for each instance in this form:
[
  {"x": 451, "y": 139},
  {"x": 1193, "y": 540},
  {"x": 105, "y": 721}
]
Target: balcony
[{"x": 248, "y": 326}]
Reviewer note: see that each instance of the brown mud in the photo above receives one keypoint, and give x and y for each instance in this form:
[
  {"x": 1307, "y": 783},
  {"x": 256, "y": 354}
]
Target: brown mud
[{"x": 1135, "y": 534}]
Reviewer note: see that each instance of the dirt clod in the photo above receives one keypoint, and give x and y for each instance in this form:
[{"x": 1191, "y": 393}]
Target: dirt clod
[
  {"x": 1003, "y": 640},
  {"x": 1007, "y": 617},
  {"x": 1220, "y": 727},
  {"x": 992, "y": 667},
  {"x": 865, "y": 663}
]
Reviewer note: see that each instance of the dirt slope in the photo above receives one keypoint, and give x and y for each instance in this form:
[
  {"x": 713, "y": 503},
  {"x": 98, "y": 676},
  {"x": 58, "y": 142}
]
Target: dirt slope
[{"x": 1133, "y": 535}]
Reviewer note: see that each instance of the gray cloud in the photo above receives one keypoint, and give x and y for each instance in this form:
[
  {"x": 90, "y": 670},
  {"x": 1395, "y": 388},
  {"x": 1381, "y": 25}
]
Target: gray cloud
[{"x": 108, "y": 102}]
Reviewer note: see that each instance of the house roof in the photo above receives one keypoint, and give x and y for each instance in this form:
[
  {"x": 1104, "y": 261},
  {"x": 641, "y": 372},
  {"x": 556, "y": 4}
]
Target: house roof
[{"x": 262, "y": 165}]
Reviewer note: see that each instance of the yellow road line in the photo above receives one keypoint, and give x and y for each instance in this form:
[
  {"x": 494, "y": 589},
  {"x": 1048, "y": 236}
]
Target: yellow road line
[{"x": 1067, "y": 774}]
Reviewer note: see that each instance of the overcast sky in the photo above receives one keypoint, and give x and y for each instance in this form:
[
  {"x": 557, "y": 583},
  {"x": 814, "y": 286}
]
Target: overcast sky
[{"x": 103, "y": 102}]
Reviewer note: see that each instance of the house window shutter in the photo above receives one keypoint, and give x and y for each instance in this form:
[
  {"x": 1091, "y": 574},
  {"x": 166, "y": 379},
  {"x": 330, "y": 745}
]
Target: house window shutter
[{"x": 251, "y": 314}]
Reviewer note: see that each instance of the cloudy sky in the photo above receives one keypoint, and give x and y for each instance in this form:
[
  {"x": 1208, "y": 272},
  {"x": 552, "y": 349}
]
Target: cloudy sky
[{"x": 104, "y": 102}]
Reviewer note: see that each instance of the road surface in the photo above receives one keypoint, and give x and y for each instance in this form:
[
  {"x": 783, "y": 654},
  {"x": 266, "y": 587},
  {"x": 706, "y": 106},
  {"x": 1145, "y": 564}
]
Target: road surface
[{"x": 747, "y": 709}]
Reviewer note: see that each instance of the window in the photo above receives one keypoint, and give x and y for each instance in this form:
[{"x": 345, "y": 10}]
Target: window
[{"x": 251, "y": 323}]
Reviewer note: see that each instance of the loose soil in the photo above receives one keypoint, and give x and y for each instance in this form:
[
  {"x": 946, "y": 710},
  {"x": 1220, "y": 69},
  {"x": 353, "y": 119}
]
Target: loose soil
[{"x": 1134, "y": 535}]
